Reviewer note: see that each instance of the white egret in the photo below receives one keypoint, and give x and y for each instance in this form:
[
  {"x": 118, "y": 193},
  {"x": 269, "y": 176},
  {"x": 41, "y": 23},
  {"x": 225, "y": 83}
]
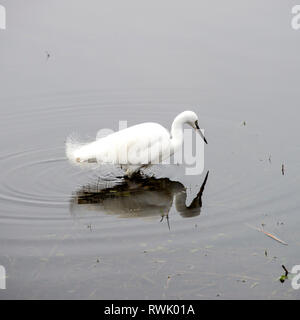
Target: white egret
[{"x": 135, "y": 147}]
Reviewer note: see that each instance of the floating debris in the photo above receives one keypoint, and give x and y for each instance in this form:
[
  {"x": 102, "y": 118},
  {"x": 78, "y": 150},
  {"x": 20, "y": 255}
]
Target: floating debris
[
  {"x": 254, "y": 285},
  {"x": 168, "y": 281},
  {"x": 284, "y": 276},
  {"x": 47, "y": 55},
  {"x": 241, "y": 280},
  {"x": 274, "y": 237},
  {"x": 269, "y": 235}
]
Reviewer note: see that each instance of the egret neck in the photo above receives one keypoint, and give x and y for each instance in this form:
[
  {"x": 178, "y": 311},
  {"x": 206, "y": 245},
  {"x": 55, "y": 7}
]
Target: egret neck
[{"x": 177, "y": 130}]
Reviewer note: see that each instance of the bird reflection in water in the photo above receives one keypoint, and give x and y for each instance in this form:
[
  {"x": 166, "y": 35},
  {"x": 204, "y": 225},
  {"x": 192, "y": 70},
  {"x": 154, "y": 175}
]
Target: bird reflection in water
[{"x": 138, "y": 197}]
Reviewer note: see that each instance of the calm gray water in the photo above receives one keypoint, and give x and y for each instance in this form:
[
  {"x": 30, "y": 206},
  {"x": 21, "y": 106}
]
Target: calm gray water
[{"x": 65, "y": 233}]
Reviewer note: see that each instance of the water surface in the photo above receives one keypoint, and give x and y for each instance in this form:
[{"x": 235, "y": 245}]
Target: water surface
[{"x": 85, "y": 234}]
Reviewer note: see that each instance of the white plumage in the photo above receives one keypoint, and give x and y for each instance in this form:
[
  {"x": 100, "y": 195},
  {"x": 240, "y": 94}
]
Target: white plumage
[{"x": 134, "y": 147}]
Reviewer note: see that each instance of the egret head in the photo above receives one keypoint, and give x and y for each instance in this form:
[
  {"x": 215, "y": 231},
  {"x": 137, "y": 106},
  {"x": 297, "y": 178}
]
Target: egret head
[{"x": 192, "y": 120}]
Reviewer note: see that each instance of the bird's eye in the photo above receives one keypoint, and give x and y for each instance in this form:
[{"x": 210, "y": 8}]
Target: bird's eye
[{"x": 196, "y": 124}]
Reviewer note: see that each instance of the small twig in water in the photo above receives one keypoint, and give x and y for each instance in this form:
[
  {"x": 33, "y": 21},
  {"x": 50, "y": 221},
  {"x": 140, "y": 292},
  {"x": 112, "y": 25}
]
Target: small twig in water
[
  {"x": 269, "y": 235},
  {"x": 273, "y": 237},
  {"x": 284, "y": 276}
]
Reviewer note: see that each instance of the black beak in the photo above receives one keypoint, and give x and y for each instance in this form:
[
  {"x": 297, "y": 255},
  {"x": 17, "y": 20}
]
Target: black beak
[{"x": 200, "y": 132}]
